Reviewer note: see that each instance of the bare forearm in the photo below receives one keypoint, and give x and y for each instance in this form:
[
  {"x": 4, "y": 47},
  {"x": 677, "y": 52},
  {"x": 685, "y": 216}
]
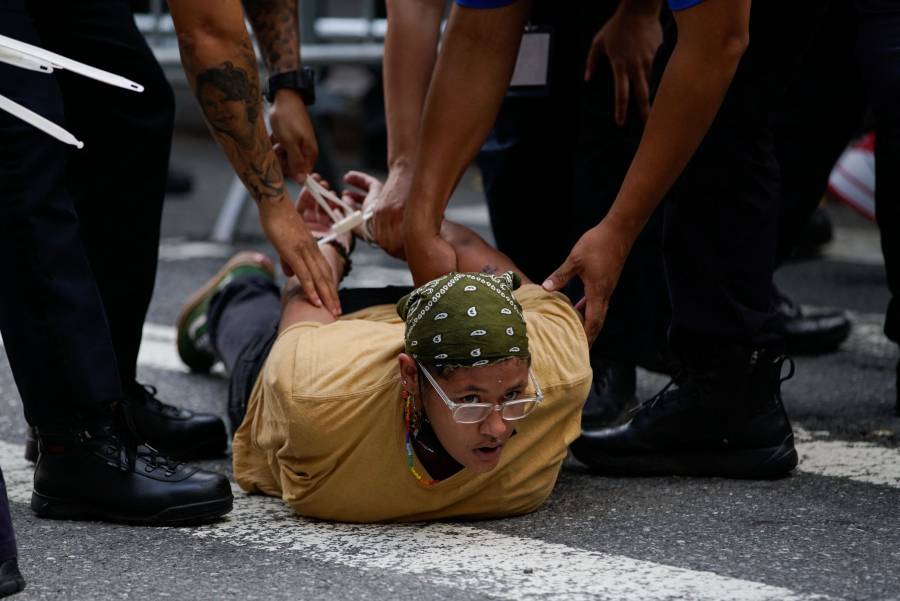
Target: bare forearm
[
  {"x": 277, "y": 30},
  {"x": 220, "y": 65},
  {"x": 691, "y": 91},
  {"x": 470, "y": 80},
  {"x": 410, "y": 52}
]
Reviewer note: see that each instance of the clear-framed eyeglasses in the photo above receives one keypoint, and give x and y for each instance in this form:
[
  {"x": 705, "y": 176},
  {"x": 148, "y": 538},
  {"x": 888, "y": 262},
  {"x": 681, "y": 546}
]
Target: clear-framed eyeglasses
[{"x": 473, "y": 413}]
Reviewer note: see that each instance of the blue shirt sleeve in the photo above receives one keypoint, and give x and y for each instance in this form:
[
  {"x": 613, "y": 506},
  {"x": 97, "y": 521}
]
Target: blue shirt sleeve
[
  {"x": 683, "y": 4},
  {"x": 485, "y": 3}
]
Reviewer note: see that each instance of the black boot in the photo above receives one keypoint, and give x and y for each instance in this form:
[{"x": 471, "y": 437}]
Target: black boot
[
  {"x": 809, "y": 331},
  {"x": 612, "y": 393},
  {"x": 98, "y": 470},
  {"x": 11, "y": 581},
  {"x": 174, "y": 431},
  {"x": 177, "y": 432},
  {"x": 725, "y": 421}
]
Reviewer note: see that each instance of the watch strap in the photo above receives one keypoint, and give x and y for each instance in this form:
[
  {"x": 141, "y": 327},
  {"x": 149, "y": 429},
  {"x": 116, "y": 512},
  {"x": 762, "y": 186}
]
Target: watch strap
[{"x": 302, "y": 80}]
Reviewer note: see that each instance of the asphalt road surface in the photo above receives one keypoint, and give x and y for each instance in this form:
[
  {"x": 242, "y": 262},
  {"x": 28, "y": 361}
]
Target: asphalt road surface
[{"x": 832, "y": 530}]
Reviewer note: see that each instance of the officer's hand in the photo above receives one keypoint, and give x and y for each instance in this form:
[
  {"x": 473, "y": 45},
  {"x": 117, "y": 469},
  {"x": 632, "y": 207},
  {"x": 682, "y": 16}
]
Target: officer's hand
[
  {"x": 299, "y": 252},
  {"x": 597, "y": 258},
  {"x": 386, "y": 225},
  {"x": 630, "y": 41},
  {"x": 293, "y": 137}
]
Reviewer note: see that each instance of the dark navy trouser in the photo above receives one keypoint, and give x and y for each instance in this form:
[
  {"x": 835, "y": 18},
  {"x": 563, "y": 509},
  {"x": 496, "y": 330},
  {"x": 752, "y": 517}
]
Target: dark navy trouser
[
  {"x": 7, "y": 537},
  {"x": 721, "y": 216},
  {"x": 853, "y": 66},
  {"x": 79, "y": 228},
  {"x": 879, "y": 53},
  {"x": 552, "y": 166}
]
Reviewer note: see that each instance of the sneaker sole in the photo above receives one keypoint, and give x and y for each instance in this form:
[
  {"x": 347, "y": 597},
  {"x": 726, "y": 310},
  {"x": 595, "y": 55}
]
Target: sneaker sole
[
  {"x": 753, "y": 464},
  {"x": 54, "y": 508},
  {"x": 242, "y": 259}
]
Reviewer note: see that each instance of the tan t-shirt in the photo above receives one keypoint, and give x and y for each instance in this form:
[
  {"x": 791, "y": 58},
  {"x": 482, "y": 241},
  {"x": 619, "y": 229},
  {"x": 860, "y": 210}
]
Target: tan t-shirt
[{"x": 324, "y": 428}]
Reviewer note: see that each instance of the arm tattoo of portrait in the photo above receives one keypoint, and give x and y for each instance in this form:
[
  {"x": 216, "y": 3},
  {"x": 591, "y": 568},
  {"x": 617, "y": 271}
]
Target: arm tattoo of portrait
[
  {"x": 230, "y": 98},
  {"x": 277, "y": 31}
]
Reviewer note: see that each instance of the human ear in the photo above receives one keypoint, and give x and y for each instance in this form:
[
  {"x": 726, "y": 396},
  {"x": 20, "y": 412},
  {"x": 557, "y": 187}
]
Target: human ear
[{"x": 409, "y": 372}]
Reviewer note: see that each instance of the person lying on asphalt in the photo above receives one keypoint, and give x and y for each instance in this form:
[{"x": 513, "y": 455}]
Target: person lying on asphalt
[{"x": 436, "y": 405}]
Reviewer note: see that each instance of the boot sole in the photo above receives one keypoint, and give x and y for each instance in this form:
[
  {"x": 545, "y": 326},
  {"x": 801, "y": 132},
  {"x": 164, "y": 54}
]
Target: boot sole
[
  {"x": 54, "y": 508},
  {"x": 765, "y": 463},
  {"x": 11, "y": 587}
]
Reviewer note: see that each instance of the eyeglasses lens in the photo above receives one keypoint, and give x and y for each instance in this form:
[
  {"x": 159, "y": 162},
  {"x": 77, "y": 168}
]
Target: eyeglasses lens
[
  {"x": 474, "y": 413},
  {"x": 471, "y": 414},
  {"x": 518, "y": 409}
]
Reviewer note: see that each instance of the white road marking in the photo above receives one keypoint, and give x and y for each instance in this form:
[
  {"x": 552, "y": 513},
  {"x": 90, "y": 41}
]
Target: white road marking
[
  {"x": 158, "y": 349},
  {"x": 855, "y": 245},
  {"x": 867, "y": 337},
  {"x": 178, "y": 249},
  {"x": 463, "y": 557},
  {"x": 859, "y": 461}
]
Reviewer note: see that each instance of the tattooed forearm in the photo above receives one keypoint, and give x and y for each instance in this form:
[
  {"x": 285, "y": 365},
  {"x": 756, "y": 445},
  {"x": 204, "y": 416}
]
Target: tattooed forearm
[
  {"x": 277, "y": 30},
  {"x": 228, "y": 92},
  {"x": 265, "y": 182}
]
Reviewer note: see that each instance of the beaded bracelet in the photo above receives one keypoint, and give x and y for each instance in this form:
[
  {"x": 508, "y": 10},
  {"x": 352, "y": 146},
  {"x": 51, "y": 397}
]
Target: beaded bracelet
[{"x": 344, "y": 254}]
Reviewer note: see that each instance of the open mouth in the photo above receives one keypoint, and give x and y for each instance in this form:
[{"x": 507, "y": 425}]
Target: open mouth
[{"x": 488, "y": 453}]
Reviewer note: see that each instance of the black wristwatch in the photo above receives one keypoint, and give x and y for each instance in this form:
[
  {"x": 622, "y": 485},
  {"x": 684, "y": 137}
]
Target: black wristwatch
[{"x": 302, "y": 80}]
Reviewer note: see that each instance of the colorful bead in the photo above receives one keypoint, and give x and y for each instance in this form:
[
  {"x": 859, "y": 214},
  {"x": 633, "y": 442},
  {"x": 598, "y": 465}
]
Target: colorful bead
[{"x": 426, "y": 482}]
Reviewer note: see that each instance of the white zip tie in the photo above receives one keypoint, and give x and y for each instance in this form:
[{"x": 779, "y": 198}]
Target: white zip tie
[
  {"x": 350, "y": 219},
  {"x": 42, "y": 123},
  {"x": 58, "y": 61},
  {"x": 17, "y": 59},
  {"x": 25, "y": 56}
]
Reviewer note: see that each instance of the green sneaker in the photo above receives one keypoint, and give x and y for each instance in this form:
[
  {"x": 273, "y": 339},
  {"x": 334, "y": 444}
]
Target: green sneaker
[{"x": 194, "y": 346}]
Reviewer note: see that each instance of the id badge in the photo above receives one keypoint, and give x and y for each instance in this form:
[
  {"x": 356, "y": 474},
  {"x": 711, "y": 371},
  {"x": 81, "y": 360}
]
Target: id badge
[{"x": 531, "y": 75}]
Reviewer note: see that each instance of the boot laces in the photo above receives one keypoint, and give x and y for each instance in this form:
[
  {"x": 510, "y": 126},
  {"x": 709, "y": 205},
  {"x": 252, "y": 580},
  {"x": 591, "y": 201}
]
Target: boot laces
[
  {"x": 690, "y": 382},
  {"x": 121, "y": 443},
  {"x": 699, "y": 384},
  {"x": 147, "y": 397}
]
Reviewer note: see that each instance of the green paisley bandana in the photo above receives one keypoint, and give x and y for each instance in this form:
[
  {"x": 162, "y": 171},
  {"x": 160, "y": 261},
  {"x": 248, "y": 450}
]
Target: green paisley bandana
[{"x": 467, "y": 319}]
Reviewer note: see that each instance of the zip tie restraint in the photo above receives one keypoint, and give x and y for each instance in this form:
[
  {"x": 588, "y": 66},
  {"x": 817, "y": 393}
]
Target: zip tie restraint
[{"x": 344, "y": 216}]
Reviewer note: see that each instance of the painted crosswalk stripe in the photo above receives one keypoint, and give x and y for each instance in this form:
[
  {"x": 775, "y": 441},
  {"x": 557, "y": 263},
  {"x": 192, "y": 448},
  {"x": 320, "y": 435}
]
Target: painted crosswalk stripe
[
  {"x": 859, "y": 461},
  {"x": 471, "y": 559}
]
